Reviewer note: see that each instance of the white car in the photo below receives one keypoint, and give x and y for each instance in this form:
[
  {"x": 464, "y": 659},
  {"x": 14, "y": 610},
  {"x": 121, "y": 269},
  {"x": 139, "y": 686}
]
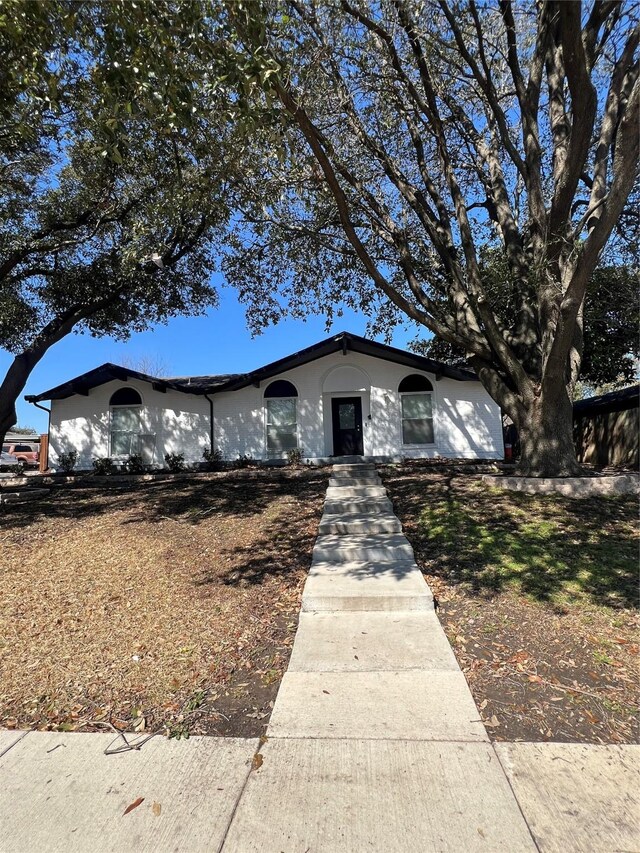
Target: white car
[{"x": 7, "y": 461}]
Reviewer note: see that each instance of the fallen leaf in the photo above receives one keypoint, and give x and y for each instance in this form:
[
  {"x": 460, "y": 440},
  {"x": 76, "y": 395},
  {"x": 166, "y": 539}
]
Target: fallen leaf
[
  {"x": 327, "y": 692},
  {"x": 156, "y": 808},
  {"x": 134, "y": 805},
  {"x": 535, "y": 678},
  {"x": 493, "y": 722},
  {"x": 483, "y": 704},
  {"x": 257, "y": 761}
]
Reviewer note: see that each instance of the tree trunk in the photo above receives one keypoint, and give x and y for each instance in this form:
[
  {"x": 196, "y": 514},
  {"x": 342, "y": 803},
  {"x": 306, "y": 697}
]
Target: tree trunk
[
  {"x": 12, "y": 386},
  {"x": 547, "y": 448}
]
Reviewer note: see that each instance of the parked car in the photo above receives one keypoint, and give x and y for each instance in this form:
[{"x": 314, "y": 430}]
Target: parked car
[
  {"x": 29, "y": 454},
  {"x": 7, "y": 461}
]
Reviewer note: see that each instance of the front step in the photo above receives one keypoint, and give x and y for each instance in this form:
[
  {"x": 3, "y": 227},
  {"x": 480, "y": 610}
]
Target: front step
[
  {"x": 376, "y": 548},
  {"x": 339, "y": 492},
  {"x": 358, "y": 506},
  {"x": 346, "y": 482},
  {"x": 350, "y": 470},
  {"x": 361, "y": 586},
  {"x": 359, "y": 523}
]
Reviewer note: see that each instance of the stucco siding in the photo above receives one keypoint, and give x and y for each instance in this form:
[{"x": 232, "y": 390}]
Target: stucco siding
[
  {"x": 175, "y": 423},
  {"x": 467, "y": 422}
]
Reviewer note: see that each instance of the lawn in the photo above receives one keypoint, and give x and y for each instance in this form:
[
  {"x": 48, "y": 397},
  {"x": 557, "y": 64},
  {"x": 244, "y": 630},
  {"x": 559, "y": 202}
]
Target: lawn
[
  {"x": 538, "y": 597},
  {"x": 164, "y": 607}
]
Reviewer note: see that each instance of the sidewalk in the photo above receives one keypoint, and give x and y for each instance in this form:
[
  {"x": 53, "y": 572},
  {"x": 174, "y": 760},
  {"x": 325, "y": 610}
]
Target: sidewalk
[{"x": 374, "y": 744}]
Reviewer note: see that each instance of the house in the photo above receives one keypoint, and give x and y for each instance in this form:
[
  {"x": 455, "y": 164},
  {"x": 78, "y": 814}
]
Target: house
[
  {"x": 606, "y": 428},
  {"x": 342, "y": 396}
]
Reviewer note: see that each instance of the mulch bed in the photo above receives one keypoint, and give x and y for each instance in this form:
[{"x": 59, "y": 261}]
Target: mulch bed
[
  {"x": 164, "y": 606},
  {"x": 538, "y": 595}
]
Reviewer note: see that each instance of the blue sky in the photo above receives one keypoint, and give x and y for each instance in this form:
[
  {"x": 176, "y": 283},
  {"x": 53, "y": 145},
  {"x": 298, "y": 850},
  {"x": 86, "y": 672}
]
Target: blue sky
[{"x": 216, "y": 343}]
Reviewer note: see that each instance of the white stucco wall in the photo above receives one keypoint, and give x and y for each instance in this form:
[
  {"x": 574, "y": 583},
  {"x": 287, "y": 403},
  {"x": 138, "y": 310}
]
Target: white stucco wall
[
  {"x": 179, "y": 422},
  {"x": 467, "y": 422}
]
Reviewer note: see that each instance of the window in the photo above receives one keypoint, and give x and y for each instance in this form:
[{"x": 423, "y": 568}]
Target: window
[
  {"x": 281, "y": 418},
  {"x": 417, "y": 409},
  {"x": 126, "y": 410}
]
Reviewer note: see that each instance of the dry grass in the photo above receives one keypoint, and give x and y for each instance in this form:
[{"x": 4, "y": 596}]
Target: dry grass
[{"x": 152, "y": 601}]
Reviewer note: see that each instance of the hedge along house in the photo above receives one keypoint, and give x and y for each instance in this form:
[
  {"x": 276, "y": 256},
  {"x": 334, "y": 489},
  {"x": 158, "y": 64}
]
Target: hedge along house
[{"x": 343, "y": 396}]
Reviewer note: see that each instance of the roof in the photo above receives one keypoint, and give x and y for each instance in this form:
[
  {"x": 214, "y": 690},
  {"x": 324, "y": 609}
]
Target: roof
[
  {"x": 343, "y": 342},
  {"x": 614, "y": 401},
  {"x": 107, "y": 372}
]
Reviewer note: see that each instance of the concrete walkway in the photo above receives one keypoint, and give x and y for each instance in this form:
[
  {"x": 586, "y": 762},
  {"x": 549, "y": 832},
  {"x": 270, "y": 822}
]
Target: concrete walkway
[{"x": 375, "y": 743}]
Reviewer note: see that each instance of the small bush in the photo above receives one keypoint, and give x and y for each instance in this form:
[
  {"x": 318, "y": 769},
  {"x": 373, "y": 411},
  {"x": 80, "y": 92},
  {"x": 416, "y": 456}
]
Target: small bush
[
  {"x": 135, "y": 464},
  {"x": 103, "y": 467},
  {"x": 294, "y": 457},
  {"x": 67, "y": 461},
  {"x": 245, "y": 461},
  {"x": 212, "y": 459},
  {"x": 175, "y": 462}
]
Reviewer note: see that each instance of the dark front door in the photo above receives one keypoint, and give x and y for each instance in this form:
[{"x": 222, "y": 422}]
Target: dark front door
[{"x": 347, "y": 426}]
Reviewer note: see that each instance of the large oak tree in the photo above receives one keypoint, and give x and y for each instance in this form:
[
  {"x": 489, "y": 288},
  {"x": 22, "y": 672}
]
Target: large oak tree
[
  {"x": 418, "y": 134},
  {"x": 117, "y": 146}
]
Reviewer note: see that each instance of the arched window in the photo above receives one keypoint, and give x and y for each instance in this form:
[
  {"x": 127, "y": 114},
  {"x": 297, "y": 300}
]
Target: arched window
[
  {"x": 416, "y": 400},
  {"x": 125, "y": 407},
  {"x": 281, "y": 418},
  {"x": 125, "y": 397}
]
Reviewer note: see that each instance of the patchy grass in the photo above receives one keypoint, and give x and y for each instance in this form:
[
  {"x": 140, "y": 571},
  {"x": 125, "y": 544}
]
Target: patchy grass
[
  {"x": 537, "y": 595},
  {"x": 547, "y": 547},
  {"x": 167, "y": 606}
]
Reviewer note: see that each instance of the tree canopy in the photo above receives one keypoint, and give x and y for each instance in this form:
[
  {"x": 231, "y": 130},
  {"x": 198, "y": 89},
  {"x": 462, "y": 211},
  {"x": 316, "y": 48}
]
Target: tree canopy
[
  {"x": 416, "y": 136},
  {"x": 334, "y": 151},
  {"x": 113, "y": 184}
]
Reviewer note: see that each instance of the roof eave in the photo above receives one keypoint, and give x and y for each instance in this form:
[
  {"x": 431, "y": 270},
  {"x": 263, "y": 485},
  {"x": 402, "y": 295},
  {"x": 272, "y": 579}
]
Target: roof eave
[{"x": 353, "y": 343}]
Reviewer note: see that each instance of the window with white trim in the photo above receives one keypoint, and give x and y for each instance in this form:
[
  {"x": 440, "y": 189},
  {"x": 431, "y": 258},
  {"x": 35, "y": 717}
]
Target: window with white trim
[
  {"x": 125, "y": 431},
  {"x": 281, "y": 415},
  {"x": 416, "y": 401}
]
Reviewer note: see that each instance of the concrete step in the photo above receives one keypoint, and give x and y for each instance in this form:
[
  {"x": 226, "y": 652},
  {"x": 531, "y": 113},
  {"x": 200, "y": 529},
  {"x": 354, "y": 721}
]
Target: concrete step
[
  {"x": 358, "y": 586},
  {"x": 350, "y": 470},
  {"x": 339, "y": 523},
  {"x": 374, "y": 548},
  {"x": 350, "y": 460},
  {"x": 370, "y": 642},
  {"x": 356, "y": 492},
  {"x": 349, "y": 482},
  {"x": 360, "y": 505}
]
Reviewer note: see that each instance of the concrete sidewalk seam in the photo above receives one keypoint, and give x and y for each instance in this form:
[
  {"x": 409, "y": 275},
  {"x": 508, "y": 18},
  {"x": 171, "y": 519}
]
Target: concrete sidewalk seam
[
  {"x": 15, "y": 743},
  {"x": 239, "y": 797},
  {"x": 506, "y": 775}
]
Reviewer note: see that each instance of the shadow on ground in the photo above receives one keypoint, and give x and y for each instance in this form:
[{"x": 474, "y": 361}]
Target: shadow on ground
[{"x": 549, "y": 547}]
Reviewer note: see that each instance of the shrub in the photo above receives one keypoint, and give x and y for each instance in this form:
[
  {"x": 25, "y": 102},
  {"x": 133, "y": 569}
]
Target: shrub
[
  {"x": 294, "y": 457},
  {"x": 67, "y": 461},
  {"x": 135, "y": 464},
  {"x": 175, "y": 462},
  {"x": 245, "y": 461},
  {"x": 103, "y": 467},
  {"x": 212, "y": 458}
]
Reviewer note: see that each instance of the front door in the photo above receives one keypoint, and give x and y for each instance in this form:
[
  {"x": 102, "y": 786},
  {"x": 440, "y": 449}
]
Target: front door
[{"x": 347, "y": 426}]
